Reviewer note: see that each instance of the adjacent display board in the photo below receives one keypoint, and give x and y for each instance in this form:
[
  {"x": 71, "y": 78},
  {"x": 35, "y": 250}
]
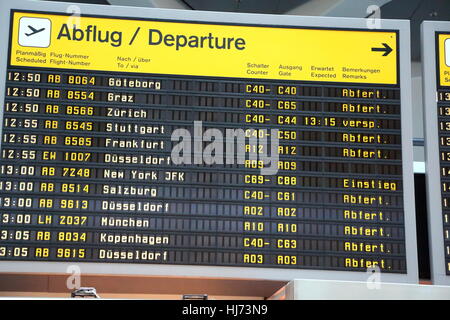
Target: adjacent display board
[
  {"x": 121, "y": 153},
  {"x": 436, "y": 88}
]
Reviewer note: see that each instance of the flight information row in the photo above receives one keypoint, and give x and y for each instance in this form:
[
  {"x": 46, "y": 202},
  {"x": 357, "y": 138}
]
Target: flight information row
[
  {"x": 198, "y": 210},
  {"x": 216, "y": 86},
  {"x": 286, "y": 230},
  {"x": 174, "y": 104},
  {"x": 11, "y": 168},
  {"x": 151, "y": 182},
  {"x": 320, "y": 261},
  {"x": 128, "y": 157},
  {"x": 201, "y": 239},
  {"x": 368, "y": 198},
  {"x": 240, "y": 120},
  {"x": 129, "y": 98},
  {"x": 29, "y": 132}
]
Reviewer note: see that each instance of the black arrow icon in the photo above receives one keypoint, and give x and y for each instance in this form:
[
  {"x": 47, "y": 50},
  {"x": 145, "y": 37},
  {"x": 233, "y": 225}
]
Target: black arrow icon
[{"x": 386, "y": 49}]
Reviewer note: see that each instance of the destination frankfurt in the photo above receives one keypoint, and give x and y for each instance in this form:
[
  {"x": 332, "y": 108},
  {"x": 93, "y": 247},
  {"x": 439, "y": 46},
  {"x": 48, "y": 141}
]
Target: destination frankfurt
[{"x": 134, "y": 143}]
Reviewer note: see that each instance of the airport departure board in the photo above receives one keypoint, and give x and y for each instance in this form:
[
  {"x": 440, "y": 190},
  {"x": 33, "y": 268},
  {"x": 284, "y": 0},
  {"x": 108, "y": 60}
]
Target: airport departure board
[
  {"x": 437, "y": 116},
  {"x": 183, "y": 142}
]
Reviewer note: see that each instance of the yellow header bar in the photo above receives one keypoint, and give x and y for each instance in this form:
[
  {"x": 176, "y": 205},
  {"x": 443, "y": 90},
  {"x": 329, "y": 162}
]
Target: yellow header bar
[
  {"x": 444, "y": 59},
  {"x": 200, "y": 49}
]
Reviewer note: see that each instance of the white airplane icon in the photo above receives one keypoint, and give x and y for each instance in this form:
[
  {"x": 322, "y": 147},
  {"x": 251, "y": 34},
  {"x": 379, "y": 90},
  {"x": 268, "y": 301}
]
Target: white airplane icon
[{"x": 34, "y": 31}]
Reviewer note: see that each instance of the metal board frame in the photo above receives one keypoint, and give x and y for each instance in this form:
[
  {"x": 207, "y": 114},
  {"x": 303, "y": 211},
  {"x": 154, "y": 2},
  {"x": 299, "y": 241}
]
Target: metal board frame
[
  {"x": 237, "y": 18},
  {"x": 433, "y": 176}
]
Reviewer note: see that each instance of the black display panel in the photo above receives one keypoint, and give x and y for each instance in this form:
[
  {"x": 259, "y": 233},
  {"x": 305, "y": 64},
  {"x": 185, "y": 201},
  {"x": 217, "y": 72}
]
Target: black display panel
[{"x": 443, "y": 112}]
